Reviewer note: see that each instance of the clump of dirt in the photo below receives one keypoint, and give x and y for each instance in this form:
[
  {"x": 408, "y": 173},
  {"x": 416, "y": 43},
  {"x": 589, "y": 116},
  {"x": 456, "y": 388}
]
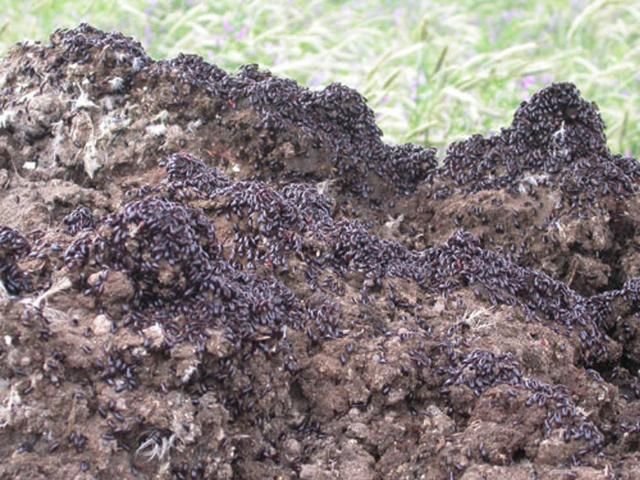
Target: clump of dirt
[{"x": 225, "y": 276}]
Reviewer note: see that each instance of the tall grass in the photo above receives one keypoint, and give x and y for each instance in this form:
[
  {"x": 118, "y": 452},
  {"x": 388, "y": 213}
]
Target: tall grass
[{"x": 433, "y": 70}]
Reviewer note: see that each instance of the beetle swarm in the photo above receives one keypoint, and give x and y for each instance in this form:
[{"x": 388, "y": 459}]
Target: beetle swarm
[{"x": 225, "y": 287}]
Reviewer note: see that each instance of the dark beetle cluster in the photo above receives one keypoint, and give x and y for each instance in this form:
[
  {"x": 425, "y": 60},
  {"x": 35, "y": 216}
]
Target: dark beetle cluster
[
  {"x": 218, "y": 266},
  {"x": 185, "y": 471},
  {"x": 354, "y": 248},
  {"x": 556, "y": 137},
  {"x": 78, "y": 440},
  {"x": 13, "y": 246},
  {"x": 251, "y": 311},
  {"x": 193, "y": 71},
  {"x": 273, "y": 224},
  {"x": 335, "y": 119},
  {"x": 469, "y": 161},
  {"x": 186, "y": 172},
  {"x": 407, "y": 166},
  {"x": 12, "y": 243},
  {"x": 85, "y": 43},
  {"x": 267, "y": 223},
  {"x": 559, "y": 122},
  {"x": 165, "y": 247},
  {"x": 283, "y": 218},
  {"x": 480, "y": 370},
  {"x": 556, "y": 131},
  {"x": 462, "y": 261},
  {"x": 118, "y": 372},
  {"x": 323, "y": 321},
  {"x": 80, "y": 219},
  {"x": 189, "y": 285},
  {"x": 182, "y": 280},
  {"x": 338, "y": 118},
  {"x": 314, "y": 207}
]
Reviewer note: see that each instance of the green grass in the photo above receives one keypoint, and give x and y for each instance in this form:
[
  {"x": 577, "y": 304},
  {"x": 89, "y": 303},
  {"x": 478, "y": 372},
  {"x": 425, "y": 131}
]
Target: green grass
[{"x": 433, "y": 70}]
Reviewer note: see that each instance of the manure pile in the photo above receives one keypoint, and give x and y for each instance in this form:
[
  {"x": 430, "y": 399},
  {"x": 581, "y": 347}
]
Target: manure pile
[{"x": 215, "y": 276}]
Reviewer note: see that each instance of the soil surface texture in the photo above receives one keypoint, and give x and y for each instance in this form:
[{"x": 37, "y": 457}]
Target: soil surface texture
[{"x": 230, "y": 276}]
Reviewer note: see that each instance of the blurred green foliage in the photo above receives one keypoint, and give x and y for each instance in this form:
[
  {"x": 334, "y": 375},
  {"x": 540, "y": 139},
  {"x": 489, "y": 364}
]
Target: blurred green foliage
[{"x": 433, "y": 70}]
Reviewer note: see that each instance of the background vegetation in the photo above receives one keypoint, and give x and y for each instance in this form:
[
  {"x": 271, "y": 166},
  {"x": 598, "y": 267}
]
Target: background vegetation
[{"x": 433, "y": 70}]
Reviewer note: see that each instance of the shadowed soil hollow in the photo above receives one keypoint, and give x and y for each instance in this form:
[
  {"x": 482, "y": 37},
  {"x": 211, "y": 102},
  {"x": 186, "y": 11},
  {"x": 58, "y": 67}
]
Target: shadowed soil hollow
[{"x": 221, "y": 276}]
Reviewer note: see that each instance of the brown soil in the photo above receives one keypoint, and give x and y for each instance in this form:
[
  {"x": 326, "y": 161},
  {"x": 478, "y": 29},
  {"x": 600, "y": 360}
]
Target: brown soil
[{"x": 224, "y": 276}]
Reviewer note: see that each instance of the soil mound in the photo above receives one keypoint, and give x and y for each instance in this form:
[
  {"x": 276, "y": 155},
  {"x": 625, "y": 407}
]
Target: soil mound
[{"x": 221, "y": 276}]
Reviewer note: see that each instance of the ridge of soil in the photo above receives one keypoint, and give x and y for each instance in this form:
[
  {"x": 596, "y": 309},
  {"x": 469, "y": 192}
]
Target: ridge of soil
[{"x": 221, "y": 276}]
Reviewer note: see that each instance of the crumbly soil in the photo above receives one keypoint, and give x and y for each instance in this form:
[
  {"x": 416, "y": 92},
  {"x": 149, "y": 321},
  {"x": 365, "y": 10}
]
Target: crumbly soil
[{"x": 221, "y": 276}]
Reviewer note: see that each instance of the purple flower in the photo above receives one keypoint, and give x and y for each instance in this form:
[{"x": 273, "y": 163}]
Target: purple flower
[
  {"x": 148, "y": 35},
  {"x": 509, "y": 16},
  {"x": 415, "y": 86},
  {"x": 398, "y": 15},
  {"x": 528, "y": 82},
  {"x": 242, "y": 34}
]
